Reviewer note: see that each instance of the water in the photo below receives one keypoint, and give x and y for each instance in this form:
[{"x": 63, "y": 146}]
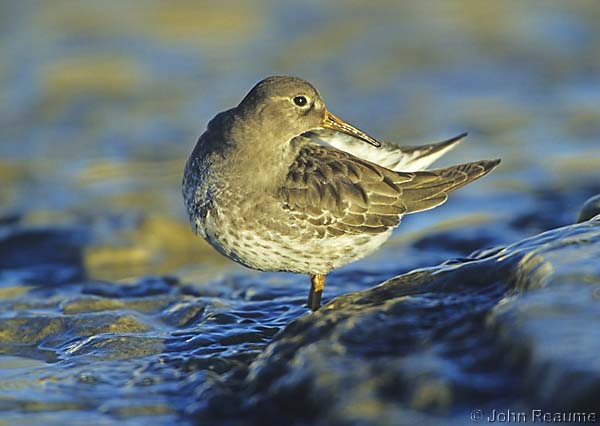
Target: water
[{"x": 113, "y": 312}]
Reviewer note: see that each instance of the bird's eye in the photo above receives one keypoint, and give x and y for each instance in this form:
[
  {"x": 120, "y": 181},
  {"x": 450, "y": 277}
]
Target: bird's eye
[{"x": 300, "y": 101}]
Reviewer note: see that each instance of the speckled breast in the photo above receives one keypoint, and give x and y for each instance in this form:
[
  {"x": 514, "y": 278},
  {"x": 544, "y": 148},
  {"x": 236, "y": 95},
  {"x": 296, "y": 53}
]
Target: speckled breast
[{"x": 279, "y": 242}]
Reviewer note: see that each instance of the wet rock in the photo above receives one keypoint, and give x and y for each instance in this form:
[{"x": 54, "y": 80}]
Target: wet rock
[
  {"x": 590, "y": 209},
  {"x": 509, "y": 328}
]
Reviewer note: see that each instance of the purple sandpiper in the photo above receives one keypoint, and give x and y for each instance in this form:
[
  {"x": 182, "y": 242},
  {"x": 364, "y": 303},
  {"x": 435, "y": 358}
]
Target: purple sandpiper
[{"x": 278, "y": 183}]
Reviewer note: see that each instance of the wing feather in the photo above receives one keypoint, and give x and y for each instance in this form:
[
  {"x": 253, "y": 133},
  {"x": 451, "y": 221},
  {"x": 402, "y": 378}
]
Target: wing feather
[{"x": 341, "y": 194}]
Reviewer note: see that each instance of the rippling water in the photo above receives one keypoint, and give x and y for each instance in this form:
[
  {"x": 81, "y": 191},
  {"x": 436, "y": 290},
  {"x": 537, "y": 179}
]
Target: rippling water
[{"x": 111, "y": 311}]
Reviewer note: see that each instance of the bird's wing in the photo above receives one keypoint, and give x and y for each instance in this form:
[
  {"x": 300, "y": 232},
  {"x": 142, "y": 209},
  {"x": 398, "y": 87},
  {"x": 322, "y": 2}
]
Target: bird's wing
[
  {"x": 389, "y": 155},
  {"x": 342, "y": 194}
]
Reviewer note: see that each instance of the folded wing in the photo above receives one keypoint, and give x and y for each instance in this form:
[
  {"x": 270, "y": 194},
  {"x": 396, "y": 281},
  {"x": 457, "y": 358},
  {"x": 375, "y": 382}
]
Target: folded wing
[{"x": 338, "y": 194}]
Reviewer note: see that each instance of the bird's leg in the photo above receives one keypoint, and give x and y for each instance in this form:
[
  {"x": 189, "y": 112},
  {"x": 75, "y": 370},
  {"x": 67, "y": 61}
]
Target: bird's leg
[{"x": 317, "y": 284}]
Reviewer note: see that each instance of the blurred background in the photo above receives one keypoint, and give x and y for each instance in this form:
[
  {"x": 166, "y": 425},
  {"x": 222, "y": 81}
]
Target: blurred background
[{"x": 102, "y": 101}]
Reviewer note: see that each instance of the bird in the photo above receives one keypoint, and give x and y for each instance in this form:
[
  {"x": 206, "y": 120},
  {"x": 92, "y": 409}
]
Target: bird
[{"x": 276, "y": 184}]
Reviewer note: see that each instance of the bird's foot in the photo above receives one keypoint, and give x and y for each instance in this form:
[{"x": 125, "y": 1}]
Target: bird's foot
[{"x": 317, "y": 284}]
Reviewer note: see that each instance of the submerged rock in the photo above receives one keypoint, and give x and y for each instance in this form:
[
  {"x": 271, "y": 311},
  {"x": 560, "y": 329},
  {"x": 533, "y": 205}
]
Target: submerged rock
[
  {"x": 39, "y": 255},
  {"x": 513, "y": 328}
]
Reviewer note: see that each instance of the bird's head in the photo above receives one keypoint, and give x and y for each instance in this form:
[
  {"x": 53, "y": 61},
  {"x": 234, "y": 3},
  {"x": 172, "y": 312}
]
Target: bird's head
[{"x": 289, "y": 107}]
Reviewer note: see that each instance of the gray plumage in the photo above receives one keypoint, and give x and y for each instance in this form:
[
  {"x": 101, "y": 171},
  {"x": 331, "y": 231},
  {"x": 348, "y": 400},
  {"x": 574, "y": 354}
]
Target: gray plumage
[
  {"x": 343, "y": 194},
  {"x": 260, "y": 187}
]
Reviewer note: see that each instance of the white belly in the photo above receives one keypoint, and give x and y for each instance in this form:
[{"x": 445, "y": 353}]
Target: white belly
[{"x": 266, "y": 249}]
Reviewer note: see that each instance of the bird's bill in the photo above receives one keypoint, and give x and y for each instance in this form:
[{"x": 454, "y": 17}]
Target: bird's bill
[{"x": 332, "y": 122}]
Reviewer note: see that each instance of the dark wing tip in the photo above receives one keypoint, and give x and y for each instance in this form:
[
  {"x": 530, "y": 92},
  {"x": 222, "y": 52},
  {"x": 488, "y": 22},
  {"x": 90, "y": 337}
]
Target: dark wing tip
[
  {"x": 445, "y": 145},
  {"x": 456, "y": 138},
  {"x": 476, "y": 169},
  {"x": 490, "y": 165},
  {"x": 453, "y": 140},
  {"x": 473, "y": 171}
]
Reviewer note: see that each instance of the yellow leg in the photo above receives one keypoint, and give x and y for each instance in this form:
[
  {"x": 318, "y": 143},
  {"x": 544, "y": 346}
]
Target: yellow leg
[{"x": 317, "y": 284}]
